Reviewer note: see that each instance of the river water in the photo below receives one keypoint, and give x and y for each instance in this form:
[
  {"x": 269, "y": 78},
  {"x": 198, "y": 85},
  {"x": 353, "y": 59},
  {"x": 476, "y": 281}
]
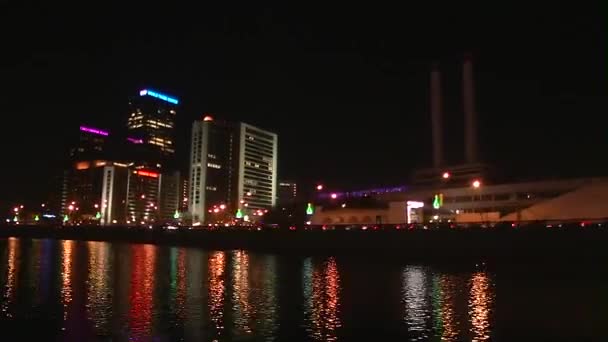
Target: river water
[{"x": 101, "y": 291}]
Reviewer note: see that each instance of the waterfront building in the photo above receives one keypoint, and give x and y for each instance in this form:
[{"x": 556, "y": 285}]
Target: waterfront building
[
  {"x": 171, "y": 195},
  {"x": 143, "y": 196},
  {"x": 287, "y": 192},
  {"x": 563, "y": 199},
  {"x": 91, "y": 143},
  {"x": 151, "y": 127},
  {"x": 233, "y": 166},
  {"x": 95, "y": 192}
]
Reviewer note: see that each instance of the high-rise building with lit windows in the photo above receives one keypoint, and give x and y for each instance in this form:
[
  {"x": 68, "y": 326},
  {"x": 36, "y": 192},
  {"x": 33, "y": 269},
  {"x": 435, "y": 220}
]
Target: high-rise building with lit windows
[
  {"x": 92, "y": 144},
  {"x": 287, "y": 192},
  {"x": 143, "y": 196},
  {"x": 95, "y": 192},
  {"x": 232, "y": 166},
  {"x": 151, "y": 125},
  {"x": 257, "y": 180}
]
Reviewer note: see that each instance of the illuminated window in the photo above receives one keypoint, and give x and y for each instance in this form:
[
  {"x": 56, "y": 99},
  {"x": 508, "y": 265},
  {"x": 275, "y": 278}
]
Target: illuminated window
[{"x": 214, "y": 166}]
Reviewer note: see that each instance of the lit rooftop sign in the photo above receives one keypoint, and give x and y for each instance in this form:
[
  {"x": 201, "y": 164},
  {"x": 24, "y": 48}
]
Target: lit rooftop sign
[
  {"x": 135, "y": 141},
  {"x": 93, "y": 130},
  {"x": 147, "y": 174},
  {"x": 163, "y": 97}
]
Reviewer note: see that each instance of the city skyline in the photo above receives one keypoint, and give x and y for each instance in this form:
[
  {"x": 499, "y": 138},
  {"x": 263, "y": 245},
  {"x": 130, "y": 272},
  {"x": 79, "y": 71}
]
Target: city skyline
[{"x": 362, "y": 95}]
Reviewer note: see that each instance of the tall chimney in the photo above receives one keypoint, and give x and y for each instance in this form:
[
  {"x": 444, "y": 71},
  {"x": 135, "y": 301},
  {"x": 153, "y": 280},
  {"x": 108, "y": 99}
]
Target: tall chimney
[
  {"x": 470, "y": 120},
  {"x": 436, "y": 116}
]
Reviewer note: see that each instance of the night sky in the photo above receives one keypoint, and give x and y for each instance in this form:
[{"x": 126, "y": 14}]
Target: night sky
[{"x": 345, "y": 87}]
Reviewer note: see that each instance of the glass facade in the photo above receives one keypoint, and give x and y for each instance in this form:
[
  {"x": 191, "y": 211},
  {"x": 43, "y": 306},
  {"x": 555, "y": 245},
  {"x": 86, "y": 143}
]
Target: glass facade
[
  {"x": 152, "y": 119},
  {"x": 232, "y": 166}
]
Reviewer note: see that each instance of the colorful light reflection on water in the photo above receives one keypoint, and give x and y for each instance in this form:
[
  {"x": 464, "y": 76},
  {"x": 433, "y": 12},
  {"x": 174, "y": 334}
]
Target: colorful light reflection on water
[{"x": 93, "y": 290}]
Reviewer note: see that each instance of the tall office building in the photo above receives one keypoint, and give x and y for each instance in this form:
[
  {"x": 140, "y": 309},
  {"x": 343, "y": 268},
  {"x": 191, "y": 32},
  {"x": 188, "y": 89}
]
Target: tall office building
[
  {"x": 232, "y": 166},
  {"x": 92, "y": 143},
  {"x": 79, "y": 183},
  {"x": 95, "y": 191},
  {"x": 151, "y": 127},
  {"x": 143, "y": 196},
  {"x": 172, "y": 195},
  {"x": 287, "y": 192}
]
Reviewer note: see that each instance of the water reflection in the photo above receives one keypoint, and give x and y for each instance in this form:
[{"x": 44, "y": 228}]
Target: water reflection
[
  {"x": 67, "y": 248},
  {"x": 480, "y": 306},
  {"x": 47, "y": 270},
  {"x": 417, "y": 313},
  {"x": 195, "y": 294},
  {"x": 448, "y": 307},
  {"x": 92, "y": 290},
  {"x": 448, "y": 291},
  {"x": 11, "y": 281},
  {"x": 180, "y": 294},
  {"x": 99, "y": 301},
  {"x": 216, "y": 292},
  {"x": 142, "y": 286},
  {"x": 322, "y": 296},
  {"x": 263, "y": 280},
  {"x": 240, "y": 293}
]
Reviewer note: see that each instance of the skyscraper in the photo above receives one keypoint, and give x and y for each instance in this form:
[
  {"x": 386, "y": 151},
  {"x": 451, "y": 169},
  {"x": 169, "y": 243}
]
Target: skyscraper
[
  {"x": 287, "y": 192},
  {"x": 92, "y": 144},
  {"x": 232, "y": 166},
  {"x": 172, "y": 195},
  {"x": 151, "y": 126},
  {"x": 95, "y": 191},
  {"x": 143, "y": 196}
]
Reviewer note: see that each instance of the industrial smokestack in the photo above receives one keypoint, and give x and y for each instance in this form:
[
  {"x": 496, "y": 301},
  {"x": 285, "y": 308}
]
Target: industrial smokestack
[
  {"x": 470, "y": 120},
  {"x": 436, "y": 116}
]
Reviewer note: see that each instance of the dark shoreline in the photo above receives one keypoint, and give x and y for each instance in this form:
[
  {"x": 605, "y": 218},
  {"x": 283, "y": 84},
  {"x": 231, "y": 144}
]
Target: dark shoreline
[{"x": 512, "y": 245}]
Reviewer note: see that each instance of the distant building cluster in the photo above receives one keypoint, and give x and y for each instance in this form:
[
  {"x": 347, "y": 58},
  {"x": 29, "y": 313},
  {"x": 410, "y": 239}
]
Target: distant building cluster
[{"x": 133, "y": 176}]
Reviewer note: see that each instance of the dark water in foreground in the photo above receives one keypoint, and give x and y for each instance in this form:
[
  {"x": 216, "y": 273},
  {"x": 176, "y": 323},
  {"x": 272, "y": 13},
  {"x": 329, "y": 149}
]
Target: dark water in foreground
[{"x": 79, "y": 290}]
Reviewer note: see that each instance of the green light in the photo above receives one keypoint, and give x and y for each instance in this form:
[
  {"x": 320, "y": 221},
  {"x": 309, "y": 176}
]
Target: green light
[
  {"x": 98, "y": 215},
  {"x": 436, "y": 202},
  {"x": 309, "y": 209},
  {"x": 176, "y": 215},
  {"x": 239, "y": 213},
  {"x": 15, "y": 219},
  {"x": 65, "y": 218},
  {"x": 36, "y": 218}
]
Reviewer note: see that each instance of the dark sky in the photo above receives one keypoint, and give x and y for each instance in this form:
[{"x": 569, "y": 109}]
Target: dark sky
[{"x": 345, "y": 87}]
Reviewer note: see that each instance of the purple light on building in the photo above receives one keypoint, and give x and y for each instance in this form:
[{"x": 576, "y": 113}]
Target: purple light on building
[
  {"x": 135, "y": 141},
  {"x": 93, "y": 130},
  {"x": 362, "y": 193}
]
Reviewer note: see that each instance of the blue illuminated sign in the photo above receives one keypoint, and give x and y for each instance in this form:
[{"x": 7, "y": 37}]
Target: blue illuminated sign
[{"x": 158, "y": 96}]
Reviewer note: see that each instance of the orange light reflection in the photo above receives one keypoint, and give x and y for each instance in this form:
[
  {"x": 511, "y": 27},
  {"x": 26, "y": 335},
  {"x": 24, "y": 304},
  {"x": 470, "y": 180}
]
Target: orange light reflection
[
  {"x": 480, "y": 306},
  {"x": 67, "y": 261},
  {"x": 242, "y": 307},
  {"x": 11, "y": 281},
  {"x": 216, "y": 291},
  {"x": 325, "y": 302}
]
